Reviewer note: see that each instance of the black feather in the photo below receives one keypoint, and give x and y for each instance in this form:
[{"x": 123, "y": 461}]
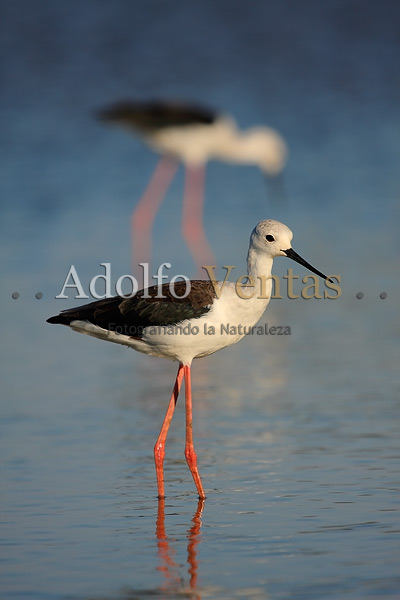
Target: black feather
[
  {"x": 150, "y": 116},
  {"x": 130, "y": 316}
]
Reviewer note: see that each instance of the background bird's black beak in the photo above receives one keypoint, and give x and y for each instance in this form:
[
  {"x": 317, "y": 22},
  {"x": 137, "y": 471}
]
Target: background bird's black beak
[
  {"x": 104, "y": 114},
  {"x": 297, "y": 258},
  {"x": 275, "y": 185}
]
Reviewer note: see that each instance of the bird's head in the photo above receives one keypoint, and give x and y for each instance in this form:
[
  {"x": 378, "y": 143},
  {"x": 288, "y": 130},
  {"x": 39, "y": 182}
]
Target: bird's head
[{"x": 274, "y": 239}]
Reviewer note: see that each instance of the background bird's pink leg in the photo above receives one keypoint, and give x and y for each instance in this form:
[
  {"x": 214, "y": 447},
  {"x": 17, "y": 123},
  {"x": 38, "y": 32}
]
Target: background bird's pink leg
[
  {"x": 192, "y": 219},
  {"x": 190, "y": 454},
  {"x": 145, "y": 212},
  {"x": 159, "y": 448}
]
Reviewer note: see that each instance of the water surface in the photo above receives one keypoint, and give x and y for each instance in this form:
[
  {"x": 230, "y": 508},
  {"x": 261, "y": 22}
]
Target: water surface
[{"x": 297, "y": 436}]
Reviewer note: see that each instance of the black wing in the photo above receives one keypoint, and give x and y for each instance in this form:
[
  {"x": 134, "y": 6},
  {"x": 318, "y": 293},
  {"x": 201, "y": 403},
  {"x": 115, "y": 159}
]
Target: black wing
[
  {"x": 150, "y": 116},
  {"x": 131, "y": 315}
]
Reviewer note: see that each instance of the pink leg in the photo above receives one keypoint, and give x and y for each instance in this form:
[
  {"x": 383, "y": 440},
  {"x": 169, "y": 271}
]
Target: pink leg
[
  {"x": 190, "y": 454},
  {"x": 192, "y": 220},
  {"x": 159, "y": 448},
  {"x": 145, "y": 212}
]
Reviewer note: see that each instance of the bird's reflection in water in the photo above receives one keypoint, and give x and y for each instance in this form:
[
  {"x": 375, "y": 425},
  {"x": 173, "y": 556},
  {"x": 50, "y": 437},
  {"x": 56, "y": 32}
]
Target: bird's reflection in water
[
  {"x": 168, "y": 567},
  {"x": 174, "y": 585}
]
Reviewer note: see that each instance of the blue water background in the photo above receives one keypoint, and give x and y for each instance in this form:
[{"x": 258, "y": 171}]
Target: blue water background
[{"x": 297, "y": 436}]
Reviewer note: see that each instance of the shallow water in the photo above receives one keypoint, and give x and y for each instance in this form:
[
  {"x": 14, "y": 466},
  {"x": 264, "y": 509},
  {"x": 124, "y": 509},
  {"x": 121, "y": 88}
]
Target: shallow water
[{"x": 297, "y": 435}]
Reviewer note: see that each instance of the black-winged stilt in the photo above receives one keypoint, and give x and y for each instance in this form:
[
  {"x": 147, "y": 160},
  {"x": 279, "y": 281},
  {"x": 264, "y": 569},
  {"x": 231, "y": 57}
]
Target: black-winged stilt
[
  {"x": 163, "y": 321},
  {"x": 192, "y": 135}
]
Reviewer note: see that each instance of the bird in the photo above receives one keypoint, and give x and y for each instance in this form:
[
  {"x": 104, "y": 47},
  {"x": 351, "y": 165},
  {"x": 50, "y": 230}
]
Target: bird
[
  {"x": 182, "y": 322},
  {"x": 190, "y": 134}
]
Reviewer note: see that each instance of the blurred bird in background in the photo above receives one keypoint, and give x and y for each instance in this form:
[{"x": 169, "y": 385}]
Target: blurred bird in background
[{"x": 193, "y": 135}]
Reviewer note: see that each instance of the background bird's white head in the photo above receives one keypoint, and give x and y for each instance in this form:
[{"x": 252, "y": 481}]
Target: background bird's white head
[
  {"x": 265, "y": 148},
  {"x": 259, "y": 146}
]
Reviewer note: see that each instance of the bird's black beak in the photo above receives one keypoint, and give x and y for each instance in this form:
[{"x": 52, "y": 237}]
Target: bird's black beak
[{"x": 290, "y": 253}]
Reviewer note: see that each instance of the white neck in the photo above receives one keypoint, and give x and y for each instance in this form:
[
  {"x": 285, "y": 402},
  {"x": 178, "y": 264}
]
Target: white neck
[
  {"x": 250, "y": 297},
  {"x": 258, "y": 287},
  {"x": 259, "y": 146},
  {"x": 233, "y": 146},
  {"x": 258, "y": 263},
  {"x": 259, "y": 266}
]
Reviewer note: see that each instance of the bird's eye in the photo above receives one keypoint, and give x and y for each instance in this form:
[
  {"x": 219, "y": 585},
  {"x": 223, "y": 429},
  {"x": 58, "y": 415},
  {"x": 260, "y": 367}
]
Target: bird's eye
[{"x": 270, "y": 238}]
